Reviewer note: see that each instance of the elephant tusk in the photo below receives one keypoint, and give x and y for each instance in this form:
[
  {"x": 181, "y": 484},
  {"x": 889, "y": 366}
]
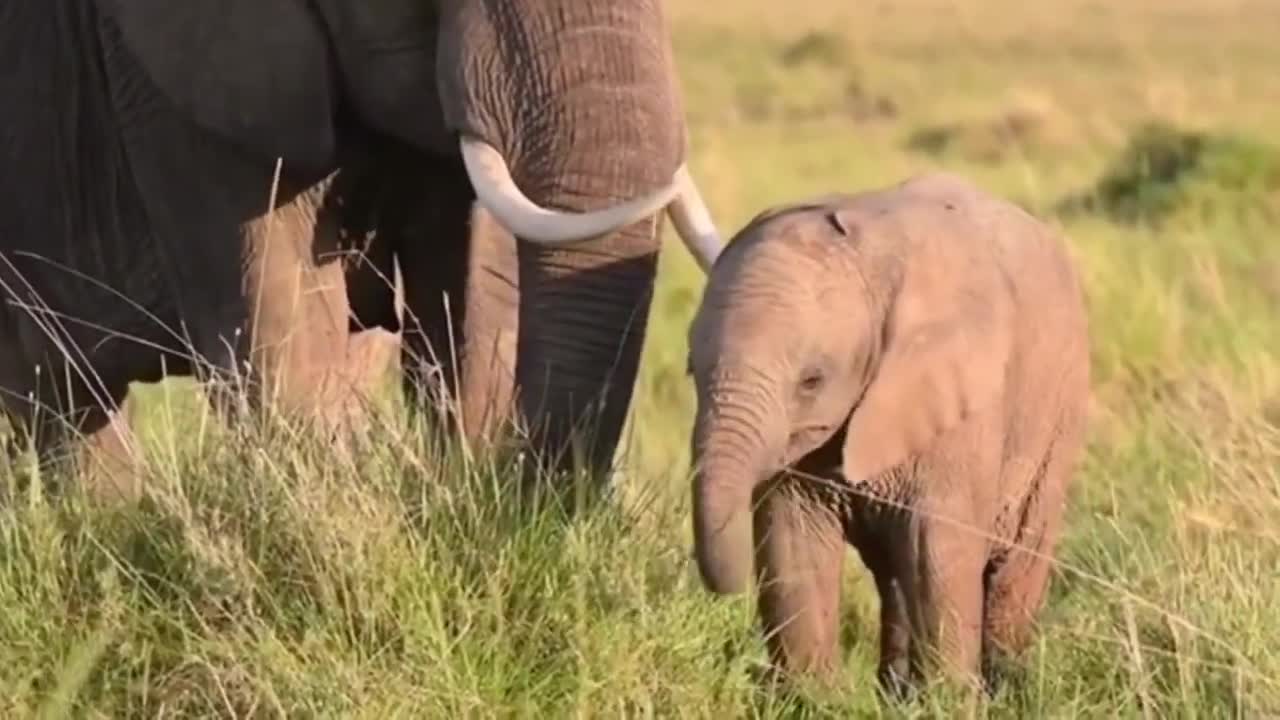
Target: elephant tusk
[
  {"x": 693, "y": 221},
  {"x": 497, "y": 191}
]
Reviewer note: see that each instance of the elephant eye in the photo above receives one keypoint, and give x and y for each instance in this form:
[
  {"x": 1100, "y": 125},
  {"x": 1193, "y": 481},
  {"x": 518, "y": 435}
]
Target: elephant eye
[{"x": 811, "y": 381}]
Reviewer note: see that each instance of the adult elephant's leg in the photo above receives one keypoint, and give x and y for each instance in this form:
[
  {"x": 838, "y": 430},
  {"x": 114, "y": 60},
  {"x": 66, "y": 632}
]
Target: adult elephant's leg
[
  {"x": 583, "y": 312},
  {"x": 297, "y": 306},
  {"x": 88, "y": 433},
  {"x": 461, "y": 293},
  {"x": 109, "y": 456}
]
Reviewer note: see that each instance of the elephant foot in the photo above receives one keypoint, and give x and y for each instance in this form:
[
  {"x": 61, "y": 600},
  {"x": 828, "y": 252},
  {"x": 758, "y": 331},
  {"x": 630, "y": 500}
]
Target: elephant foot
[
  {"x": 363, "y": 377},
  {"x": 108, "y": 461},
  {"x": 100, "y": 457}
]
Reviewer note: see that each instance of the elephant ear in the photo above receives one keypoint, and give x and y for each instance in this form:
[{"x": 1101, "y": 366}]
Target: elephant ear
[
  {"x": 944, "y": 360},
  {"x": 254, "y": 71}
]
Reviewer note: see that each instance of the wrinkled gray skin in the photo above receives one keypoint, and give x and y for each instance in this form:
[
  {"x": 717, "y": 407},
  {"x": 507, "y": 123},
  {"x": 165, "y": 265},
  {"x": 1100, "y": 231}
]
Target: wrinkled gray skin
[
  {"x": 919, "y": 356},
  {"x": 139, "y": 140}
]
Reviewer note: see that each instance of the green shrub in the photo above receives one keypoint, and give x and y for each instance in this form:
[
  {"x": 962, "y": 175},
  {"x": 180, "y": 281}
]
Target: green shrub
[{"x": 1165, "y": 173}]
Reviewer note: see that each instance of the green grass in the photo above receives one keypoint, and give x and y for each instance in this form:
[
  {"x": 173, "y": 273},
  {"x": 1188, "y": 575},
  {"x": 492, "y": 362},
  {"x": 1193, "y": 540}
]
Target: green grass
[
  {"x": 267, "y": 578},
  {"x": 1166, "y": 173}
]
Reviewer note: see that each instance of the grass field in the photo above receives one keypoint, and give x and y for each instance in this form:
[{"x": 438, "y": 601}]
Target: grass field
[{"x": 268, "y": 579}]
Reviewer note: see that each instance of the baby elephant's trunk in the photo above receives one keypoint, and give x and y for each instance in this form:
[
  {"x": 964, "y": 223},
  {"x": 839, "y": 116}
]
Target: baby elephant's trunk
[{"x": 732, "y": 455}]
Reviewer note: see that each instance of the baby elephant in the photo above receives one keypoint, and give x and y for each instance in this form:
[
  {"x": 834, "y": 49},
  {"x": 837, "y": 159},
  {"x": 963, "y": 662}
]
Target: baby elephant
[{"x": 905, "y": 370}]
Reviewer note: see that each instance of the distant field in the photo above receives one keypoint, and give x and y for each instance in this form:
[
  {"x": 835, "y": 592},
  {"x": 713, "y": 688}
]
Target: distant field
[{"x": 271, "y": 580}]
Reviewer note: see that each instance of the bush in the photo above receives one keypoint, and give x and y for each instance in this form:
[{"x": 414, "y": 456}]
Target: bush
[{"x": 1165, "y": 173}]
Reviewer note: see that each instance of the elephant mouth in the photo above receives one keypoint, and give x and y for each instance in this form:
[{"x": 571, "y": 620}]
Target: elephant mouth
[
  {"x": 497, "y": 191},
  {"x": 807, "y": 439}
]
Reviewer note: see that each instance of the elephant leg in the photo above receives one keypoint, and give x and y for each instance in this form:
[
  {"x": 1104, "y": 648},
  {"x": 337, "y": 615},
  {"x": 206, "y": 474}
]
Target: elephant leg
[
  {"x": 461, "y": 298},
  {"x": 799, "y": 546},
  {"x": 94, "y": 441},
  {"x": 109, "y": 453},
  {"x": 583, "y": 316},
  {"x": 884, "y": 560},
  {"x": 946, "y": 565},
  {"x": 893, "y": 670},
  {"x": 297, "y": 306},
  {"x": 1015, "y": 592},
  {"x": 1018, "y": 582}
]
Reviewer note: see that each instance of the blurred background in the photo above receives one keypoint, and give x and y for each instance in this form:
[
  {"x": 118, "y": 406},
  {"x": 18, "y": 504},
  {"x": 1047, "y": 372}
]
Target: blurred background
[{"x": 272, "y": 581}]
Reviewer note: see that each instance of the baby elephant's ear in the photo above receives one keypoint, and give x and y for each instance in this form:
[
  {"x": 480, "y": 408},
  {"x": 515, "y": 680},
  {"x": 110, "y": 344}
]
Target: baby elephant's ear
[{"x": 942, "y": 363}]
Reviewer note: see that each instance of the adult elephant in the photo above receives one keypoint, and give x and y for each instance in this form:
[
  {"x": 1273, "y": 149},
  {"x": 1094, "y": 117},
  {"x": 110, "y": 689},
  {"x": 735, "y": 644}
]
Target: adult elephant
[{"x": 143, "y": 138}]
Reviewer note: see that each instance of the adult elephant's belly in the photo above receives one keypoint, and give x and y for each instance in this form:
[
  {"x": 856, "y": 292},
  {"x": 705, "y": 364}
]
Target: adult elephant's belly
[
  {"x": 88, "y": 298},
  {"x": 133, "y": 238},
  {"x": 84, "y": 320}
]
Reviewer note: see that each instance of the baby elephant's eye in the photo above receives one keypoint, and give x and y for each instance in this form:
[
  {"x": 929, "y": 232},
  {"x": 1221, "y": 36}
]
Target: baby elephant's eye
[{"x": 811, "y": 381}]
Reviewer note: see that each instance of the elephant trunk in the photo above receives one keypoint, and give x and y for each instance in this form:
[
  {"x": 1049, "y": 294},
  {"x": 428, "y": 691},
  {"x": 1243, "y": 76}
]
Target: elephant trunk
[
  {"x": 581, "y": 137},
  {"x": 734, "y": 454},
  {"x": 569, "y": 117},
  {"x": 571, "y": 126}
]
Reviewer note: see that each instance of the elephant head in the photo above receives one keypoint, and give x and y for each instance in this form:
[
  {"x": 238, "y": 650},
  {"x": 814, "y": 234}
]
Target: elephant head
[
  {"x": 823, "y": 317},
  {"x": 565, "y": 113}
]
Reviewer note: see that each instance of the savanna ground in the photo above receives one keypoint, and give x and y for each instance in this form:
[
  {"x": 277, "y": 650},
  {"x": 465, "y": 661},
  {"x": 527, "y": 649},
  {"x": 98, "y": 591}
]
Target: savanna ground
[{"x": 267, "y": 579}]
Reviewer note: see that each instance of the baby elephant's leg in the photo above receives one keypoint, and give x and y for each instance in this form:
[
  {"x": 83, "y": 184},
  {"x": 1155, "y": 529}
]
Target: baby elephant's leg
[
  {"x": 882, "y": 554},
  {"x": 799, "y": 547},
  {"x": 1018, "y": 584},
  {"x": 947, "y": 593},
  {"x": 1016, "y": 591}
]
